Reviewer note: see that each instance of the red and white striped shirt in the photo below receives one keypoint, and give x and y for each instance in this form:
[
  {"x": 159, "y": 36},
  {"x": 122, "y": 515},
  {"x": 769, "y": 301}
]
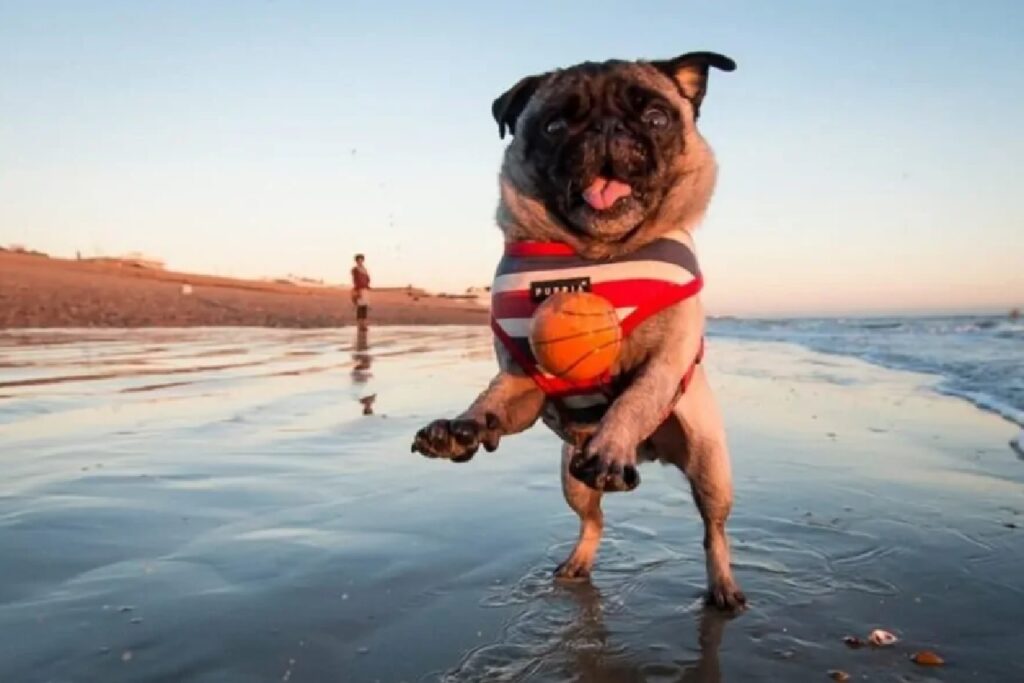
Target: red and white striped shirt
[{"x": 638, "y": 285}]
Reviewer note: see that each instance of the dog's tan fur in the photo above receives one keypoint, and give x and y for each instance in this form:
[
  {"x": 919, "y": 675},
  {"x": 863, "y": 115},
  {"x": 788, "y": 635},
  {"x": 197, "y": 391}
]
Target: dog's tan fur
[{"x": 658, "y": 352}]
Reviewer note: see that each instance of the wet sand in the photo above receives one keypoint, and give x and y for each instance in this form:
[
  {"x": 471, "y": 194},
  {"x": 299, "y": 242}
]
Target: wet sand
[
  {"x": 213, "y": 505},
  {"x": 37, "y": 292}
]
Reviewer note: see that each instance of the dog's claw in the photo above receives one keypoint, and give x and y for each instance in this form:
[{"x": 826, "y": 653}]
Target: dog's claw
[
  {"x": 572, "y": 571},
  {"x": 602, "y": 476},
  {"x": 464, "y": 432}
]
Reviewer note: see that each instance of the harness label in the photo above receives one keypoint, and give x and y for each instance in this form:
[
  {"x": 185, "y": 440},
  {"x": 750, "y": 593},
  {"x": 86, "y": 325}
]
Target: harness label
[{"x": 543, "y": 289}]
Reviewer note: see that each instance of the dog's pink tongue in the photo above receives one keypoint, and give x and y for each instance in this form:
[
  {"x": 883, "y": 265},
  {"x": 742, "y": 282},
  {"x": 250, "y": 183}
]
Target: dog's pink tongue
[{"x": 604, "y": 192}]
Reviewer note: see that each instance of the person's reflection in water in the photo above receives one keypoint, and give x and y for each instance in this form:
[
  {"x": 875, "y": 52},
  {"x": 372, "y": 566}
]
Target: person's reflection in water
[
  {"x": 594, "y": 656},
  {"x": 362, "y": 362}
]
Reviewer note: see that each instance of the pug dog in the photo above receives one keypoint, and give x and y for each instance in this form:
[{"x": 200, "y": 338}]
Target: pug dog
[{"x": 603, "y": 184}]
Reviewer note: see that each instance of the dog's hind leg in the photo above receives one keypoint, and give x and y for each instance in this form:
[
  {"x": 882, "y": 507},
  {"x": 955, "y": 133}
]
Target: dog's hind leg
[
  {"x": 702, "y": 454},
  {"x": 587, "y": 504}
]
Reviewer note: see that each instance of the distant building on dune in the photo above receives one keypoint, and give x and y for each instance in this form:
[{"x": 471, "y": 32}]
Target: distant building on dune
[
  {"x": 138, "y": 260},
  {"x": 302, "y": 280},
  {"x": 22, "y": 249},
  {"x": 482, "y": 295}
]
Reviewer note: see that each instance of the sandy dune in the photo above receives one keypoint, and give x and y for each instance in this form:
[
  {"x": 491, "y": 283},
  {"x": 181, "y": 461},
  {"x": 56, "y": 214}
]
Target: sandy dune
[{"x": 36, "y": 291}]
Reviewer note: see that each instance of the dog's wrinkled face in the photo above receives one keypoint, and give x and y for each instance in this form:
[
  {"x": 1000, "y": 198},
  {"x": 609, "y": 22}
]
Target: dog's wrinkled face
[{"x": 601, "y": 146}]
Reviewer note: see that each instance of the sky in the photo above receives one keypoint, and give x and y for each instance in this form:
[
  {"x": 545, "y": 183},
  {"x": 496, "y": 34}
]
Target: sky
[{"x": 870, "y": 153}]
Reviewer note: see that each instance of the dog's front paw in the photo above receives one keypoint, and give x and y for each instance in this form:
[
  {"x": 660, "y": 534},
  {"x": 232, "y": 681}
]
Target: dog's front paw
[
  {"x": 456, "y": 440},
  {"x": 604, "y": 465}
]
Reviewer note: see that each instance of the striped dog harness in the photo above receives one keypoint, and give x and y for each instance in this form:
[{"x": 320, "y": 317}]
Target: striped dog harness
[{"x": 639, "y": 285}]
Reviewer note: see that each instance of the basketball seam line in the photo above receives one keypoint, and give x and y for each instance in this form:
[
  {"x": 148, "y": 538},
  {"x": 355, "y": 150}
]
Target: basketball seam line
[{"x": 575, "y": 335}]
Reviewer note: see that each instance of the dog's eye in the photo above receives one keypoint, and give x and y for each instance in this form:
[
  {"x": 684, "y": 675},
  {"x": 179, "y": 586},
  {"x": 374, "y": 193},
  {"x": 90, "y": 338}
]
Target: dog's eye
[
  {"x": 555, "y": 126},
  {"x": 655, "y": 117}
]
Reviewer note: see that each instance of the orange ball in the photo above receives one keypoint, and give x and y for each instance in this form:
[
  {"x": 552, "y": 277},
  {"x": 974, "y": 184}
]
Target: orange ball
[{"x": 576, "y": 335}]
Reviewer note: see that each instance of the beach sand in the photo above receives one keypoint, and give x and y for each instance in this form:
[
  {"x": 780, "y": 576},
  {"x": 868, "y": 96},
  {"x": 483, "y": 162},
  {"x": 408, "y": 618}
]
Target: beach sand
[
  {"x": 213, "y": 505},
  {"x": 36, "y": 291}
]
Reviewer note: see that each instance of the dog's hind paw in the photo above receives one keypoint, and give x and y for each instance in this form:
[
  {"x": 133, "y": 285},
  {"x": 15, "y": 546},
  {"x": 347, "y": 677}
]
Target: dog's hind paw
[
  {"x": 572, "y": 570},
  {"x": 726, "y": 597}
]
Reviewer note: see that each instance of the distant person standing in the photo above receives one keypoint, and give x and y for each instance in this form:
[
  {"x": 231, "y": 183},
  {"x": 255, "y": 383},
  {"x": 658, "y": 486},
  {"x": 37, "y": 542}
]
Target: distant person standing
[{"x": 361, "y": 289}]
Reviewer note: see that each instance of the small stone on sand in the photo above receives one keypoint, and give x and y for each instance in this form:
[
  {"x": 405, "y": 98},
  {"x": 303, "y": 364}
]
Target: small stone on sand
[{"x": 927, "y": 658}]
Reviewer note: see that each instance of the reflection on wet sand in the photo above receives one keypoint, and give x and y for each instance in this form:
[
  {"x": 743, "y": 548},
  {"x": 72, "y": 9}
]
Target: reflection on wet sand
[
  {"x": 243, "y": 521},
  {"x": 362, "y": 364},
  {"x": 367, "y": 402},
  {"x": 362, "y": 359},
  {"x": 562, "y": 636}
]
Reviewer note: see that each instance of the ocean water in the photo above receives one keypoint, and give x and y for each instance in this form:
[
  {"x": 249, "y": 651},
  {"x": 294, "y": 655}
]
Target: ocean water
[{"x": 979, "y": 358}]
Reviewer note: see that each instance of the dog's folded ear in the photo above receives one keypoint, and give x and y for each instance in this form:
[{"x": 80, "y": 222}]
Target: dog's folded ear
[
  {"x": 507, "y": 108},
  {"x": 690, "y": 72}
]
